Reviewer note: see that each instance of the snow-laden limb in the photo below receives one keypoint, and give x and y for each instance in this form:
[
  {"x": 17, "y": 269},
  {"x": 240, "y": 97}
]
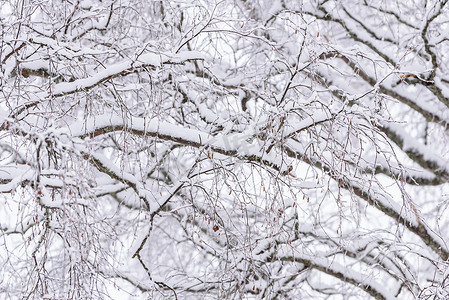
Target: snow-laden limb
[
  {"x": 427, "y": 110},
  {"x": 151, "y": 60},
  {"x": 104, "y": 165},
  {"x": 266, "y": 252},
  {"x": 421, "y": 154},
  {"x": 13, "y": 177},
  {"x": 430, "y": 111},
  {"x": 362, "y": 37},
  {"x": 65, "y": 49},
  {"x": 367, "y": 249},
  {"x": 410, "y": 219},
  {"x": 310, "y": 121},
  {"x": 415, "y": 175},
  {"x": 234, "y": 145},
  {"x": 374, "y": 288},
  {"x": 383, "y": 202}
]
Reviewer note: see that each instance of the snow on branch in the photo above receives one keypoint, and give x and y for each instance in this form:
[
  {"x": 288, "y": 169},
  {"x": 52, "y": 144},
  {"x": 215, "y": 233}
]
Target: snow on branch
[
  {"x": 234, "y": 145},
  {"x": 151, "y": 60}
]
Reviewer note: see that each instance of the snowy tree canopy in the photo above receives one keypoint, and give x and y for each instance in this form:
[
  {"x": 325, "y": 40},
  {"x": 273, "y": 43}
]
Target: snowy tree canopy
[{"x": 205, "y": 149}]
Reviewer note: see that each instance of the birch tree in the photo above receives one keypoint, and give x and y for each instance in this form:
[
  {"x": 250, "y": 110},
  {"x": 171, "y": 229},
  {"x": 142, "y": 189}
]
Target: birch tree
[{"x": 224, "y": 149}]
